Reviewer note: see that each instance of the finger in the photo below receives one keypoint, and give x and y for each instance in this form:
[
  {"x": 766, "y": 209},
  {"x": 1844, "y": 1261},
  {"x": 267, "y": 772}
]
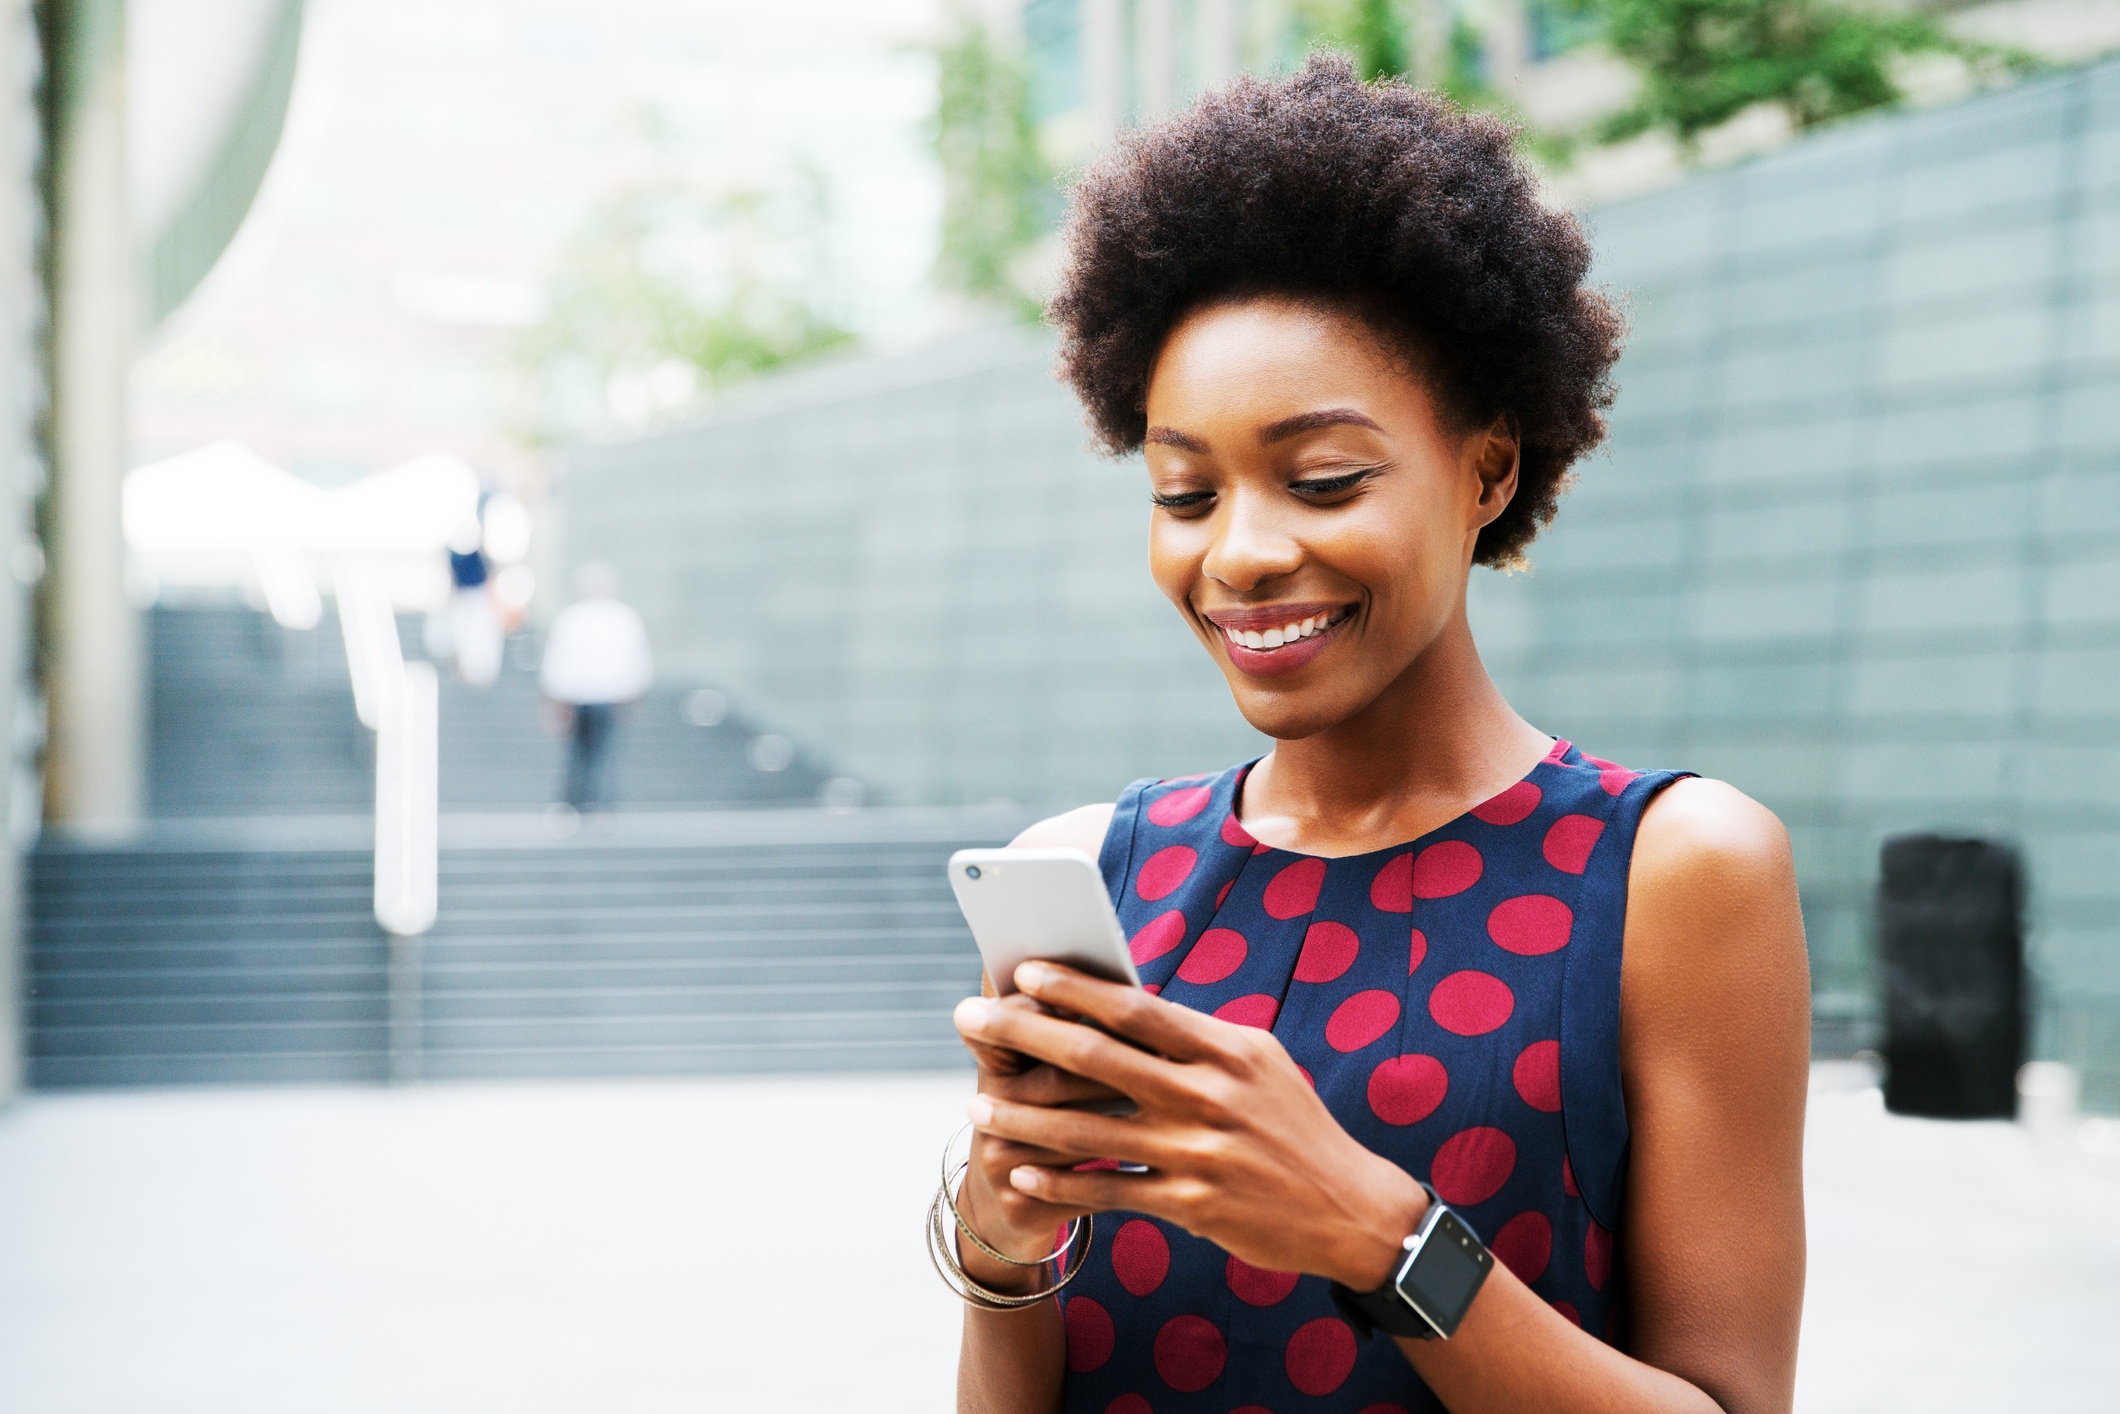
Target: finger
[
  {"x": 999, "y": 1060},
  {"x": 1170, "y": 1030},
  {"x": 1073, "y": 1132},
  {"x": 1000, "y": 1155},
  {"x": 1094, "y": 1191},
  {"x": 1069, "y": 1045},
  {"x": 1043, "y": 1084}
]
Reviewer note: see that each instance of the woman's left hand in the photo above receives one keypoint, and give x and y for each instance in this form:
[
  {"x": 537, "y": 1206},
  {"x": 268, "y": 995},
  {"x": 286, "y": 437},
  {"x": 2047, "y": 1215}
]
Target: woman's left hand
[{"x": 1239, "y": 1148}]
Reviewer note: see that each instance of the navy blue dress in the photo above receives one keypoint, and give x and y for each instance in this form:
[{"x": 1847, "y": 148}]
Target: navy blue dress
[{"x": 1456, "y": 1003}]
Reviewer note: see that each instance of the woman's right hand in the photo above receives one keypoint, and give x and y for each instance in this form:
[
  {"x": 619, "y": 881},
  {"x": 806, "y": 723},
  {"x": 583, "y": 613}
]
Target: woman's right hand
[{"x": 1005, "y": 1217}]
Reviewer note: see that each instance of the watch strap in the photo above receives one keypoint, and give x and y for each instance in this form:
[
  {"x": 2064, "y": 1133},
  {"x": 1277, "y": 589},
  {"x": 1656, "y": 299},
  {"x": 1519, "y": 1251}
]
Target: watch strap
[{"x": 1385, "y": 1309}]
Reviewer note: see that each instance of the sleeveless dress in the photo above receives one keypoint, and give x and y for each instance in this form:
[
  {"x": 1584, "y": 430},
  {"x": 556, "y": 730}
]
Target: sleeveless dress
[{"x": 1455, "y": 1001}]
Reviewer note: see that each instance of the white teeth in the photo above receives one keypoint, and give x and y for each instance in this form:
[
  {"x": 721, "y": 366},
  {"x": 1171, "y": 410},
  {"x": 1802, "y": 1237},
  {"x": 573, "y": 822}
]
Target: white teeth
[
  {"x": 1253, "y": 639},
  {"x": 1273, "y": 638}
]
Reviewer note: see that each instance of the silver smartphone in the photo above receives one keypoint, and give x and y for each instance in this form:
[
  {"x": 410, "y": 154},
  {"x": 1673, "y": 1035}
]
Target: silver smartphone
[{"x": 1048, "y": 904}]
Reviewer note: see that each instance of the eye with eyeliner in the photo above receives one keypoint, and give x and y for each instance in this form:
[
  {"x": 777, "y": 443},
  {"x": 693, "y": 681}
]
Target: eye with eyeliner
[
  {"x": 1181, "y": 501},
  {"x": 1320, "y": 487}
]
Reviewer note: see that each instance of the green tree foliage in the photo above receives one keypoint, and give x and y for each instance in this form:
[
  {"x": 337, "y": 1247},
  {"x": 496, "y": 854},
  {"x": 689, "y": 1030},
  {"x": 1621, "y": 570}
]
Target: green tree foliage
[
  {"x": 667, "y": 292},
  {"x": 999, "y": 194},
  {"x": 1704, "y": 61},
  {"x": 1379, "y": 37}
]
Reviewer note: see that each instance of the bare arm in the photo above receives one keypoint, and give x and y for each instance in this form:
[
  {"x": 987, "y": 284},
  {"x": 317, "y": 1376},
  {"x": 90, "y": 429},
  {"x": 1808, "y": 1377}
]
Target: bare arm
[
  {"x": 1014, "y": 1362},
  {"x": 1713, "y": 1046}
]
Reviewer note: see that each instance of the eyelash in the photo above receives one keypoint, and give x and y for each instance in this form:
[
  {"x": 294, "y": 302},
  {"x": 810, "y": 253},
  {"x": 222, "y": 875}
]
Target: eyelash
[{"x": 1317, "y": 486}]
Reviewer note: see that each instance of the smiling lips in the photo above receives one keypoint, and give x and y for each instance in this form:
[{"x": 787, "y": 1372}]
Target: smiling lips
[{"x": 1276, "y": 639}]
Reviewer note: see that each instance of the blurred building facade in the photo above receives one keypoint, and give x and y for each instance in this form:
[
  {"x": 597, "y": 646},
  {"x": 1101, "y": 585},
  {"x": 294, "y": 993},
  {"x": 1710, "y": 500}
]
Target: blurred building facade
[{"x": 1855, "y": 545}]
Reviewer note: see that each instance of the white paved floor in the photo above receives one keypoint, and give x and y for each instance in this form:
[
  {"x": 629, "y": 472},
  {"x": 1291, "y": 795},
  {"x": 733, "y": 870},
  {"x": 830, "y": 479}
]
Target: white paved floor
[{"x": 753, "y": 1245}]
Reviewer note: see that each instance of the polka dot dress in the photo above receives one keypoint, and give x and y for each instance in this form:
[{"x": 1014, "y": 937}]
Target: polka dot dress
[{"x": 1456, "y": 1003}]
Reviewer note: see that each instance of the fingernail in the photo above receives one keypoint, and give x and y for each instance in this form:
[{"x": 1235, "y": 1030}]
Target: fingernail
[
  {"x": 1025, "y": 1178},
  {"x": 972, "y": 1014},
  {"x": 1033, "y": 975},
  {"x": 980, "y": 1111}
]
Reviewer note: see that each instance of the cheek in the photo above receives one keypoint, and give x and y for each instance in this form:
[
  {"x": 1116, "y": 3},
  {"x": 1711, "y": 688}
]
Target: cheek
[{"x": 1175, "y": 551}]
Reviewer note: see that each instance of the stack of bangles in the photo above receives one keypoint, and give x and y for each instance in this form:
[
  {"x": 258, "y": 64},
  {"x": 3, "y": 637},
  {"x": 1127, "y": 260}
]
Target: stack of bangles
[{"x": 942, "y": 1251}]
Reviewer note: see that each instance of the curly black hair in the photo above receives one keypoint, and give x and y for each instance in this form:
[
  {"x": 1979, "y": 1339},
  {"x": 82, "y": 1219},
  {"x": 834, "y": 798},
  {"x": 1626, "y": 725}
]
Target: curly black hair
[{"x": 1377, "y": 198}]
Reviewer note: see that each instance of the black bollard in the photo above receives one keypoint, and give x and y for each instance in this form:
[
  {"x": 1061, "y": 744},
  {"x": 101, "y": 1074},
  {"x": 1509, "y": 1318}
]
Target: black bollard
[{"x": 1950, "y": 936}]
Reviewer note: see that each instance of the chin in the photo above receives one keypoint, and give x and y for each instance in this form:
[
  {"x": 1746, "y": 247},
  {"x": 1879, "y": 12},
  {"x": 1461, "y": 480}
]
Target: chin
[{"x": 1289, "y": 716}]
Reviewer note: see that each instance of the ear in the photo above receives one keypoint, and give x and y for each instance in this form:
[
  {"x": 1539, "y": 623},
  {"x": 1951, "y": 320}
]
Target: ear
[{"x": 1495, "y": 455}]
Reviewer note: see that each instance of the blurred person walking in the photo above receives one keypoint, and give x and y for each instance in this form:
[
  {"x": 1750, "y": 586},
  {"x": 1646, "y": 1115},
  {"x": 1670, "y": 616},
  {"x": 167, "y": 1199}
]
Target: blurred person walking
[
  {"x": 596, "y": 660},
  {"x": 470, "y": 620}
]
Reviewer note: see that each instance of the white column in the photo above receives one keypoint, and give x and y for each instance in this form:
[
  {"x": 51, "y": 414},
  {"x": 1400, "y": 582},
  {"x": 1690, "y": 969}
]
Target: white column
[
  {"x": 19, "y": 477},
  {"x": 1508, "y": 42},
  {"x": 1156, "y": 56},
  {"x": 1104, "y": 63},
  {"x": 1431, "y": 41},
  {"x": 94, "y": 763},
  {"x": 1216, "y": 23}
]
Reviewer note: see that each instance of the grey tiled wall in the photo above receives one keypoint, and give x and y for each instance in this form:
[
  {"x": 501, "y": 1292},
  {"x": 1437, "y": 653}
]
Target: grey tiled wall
[{"x": 1855, "y": 545}]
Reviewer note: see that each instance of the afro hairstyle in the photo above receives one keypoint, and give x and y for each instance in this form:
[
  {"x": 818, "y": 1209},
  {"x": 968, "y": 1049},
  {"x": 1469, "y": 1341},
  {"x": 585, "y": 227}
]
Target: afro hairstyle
[{"x": 1380, "y": 199}]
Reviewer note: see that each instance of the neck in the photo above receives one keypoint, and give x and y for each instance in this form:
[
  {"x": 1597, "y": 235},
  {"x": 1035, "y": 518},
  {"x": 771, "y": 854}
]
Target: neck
[{"x": 1435, "y": 743}]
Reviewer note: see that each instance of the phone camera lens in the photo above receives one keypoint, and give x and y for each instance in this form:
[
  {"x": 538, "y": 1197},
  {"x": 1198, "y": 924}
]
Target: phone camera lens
[{"x": 971, "y": 871}]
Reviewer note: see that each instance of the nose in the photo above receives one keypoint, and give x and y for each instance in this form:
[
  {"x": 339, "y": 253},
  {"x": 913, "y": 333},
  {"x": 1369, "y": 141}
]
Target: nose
[{"x": 1251, "y": 544}]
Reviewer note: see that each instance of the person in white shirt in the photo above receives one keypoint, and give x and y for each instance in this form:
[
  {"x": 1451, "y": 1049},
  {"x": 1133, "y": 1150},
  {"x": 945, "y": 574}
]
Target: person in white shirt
[{"x": 595, "y": 660}]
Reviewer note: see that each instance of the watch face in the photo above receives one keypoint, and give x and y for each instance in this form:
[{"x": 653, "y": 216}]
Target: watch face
[{"x": 1446, "y": 1273}]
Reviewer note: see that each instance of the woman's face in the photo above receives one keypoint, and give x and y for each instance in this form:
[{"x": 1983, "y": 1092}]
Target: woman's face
[{"x": 1315, "y": 516}]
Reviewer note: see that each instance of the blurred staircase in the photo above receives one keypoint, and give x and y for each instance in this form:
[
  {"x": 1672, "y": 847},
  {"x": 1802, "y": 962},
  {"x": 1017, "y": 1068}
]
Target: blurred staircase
[{"x": 232, "y": 940}]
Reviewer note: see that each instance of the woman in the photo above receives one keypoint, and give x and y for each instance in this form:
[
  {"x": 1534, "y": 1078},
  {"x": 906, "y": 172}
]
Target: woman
[{"x": 1421, "y": 941}]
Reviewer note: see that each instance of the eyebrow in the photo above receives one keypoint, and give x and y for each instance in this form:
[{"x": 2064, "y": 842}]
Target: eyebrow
[
  {"x": 1311, "y": 421},
  {"x": 1172, "y": 437}
]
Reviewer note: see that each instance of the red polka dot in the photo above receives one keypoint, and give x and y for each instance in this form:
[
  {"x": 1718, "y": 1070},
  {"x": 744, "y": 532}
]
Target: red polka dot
[
  {"x": 1140, "y": 1256},
  {"x": 1129, "y": 1404},
  {"x": 1511, "y": 806},
  {"x": 1308, "y": 1078},
  {"x": 1222, "y": 894},
  {"x": 1407, "y": 1089},
  {"x": 1320, "y": 1355},
  {"x": 1538, "y": 1076},
  {"x": 1446, "y": 868},
  {"x": 1262, "y": 849},
  {"x": 1567, "y": 1308},
  {"x": 1090, "y": 1336},
  {"x": 1259, "y": 1009},
  {"x": 1259, "y": 1286},
  {"x": 1219, "y": 952},
  {"x": 1601, "y": 763},
  {"x": 1234, "y": 833},
  {"x": 1472, "y": 1165},
  {"x": 1190, "y": 1353},
  {"x": 1097, "y": 1166},
  {"x": 1616, "y": 780},
  {"x": 1524, "y": 1245},
  {"x": 1530, "y": 924},
  {"x": 1392, "y": 888},
  {"x": 1471, "y": 1003},
  {"x": 1568, "y": 1179},
  {"x": 1179, "y": 806},
  {"x": 1559, "y": 752},
  {"x": 1361, "y": 1019},
  {"x": 1164, "y": 871},
  {"x": 1569, "y": 841},
  {"x": 1154, "y": 989},
  {"x": 1329, "y": 949},
  {"x": 1416, "y": 952},
  {"x": 1294, "y": 891},
  {"x": 1158, "y": 936},
  {"x": 1597, "y": 1255}
]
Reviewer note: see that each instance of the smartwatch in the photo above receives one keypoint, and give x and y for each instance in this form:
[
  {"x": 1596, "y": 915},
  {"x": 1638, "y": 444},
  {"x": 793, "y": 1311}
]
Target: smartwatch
[{"x": 1432, "y": 1289}]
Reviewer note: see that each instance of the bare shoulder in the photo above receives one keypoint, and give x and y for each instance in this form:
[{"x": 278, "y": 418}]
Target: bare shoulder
[
  {"x": 1081, "y": 828},
  {"x": 1714, "y": 925}
]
